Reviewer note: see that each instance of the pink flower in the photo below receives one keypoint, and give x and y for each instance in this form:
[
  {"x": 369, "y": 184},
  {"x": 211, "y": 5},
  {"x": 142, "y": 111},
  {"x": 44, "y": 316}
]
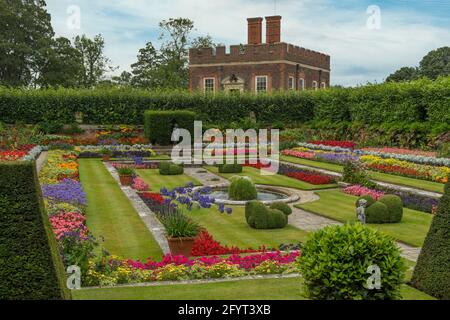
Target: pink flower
[
  {"x": 139, "y": 184},
  {"x": 363, "y": 191}
]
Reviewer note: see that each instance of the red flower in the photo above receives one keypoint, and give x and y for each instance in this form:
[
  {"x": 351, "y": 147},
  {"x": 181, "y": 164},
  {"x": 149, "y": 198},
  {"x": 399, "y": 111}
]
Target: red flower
[
  {"x": 310, "y": 177},
  {"x": 154, "y": 196},
  {"x": 332, "y": 143},
  {"x": 205, "y": 245}
]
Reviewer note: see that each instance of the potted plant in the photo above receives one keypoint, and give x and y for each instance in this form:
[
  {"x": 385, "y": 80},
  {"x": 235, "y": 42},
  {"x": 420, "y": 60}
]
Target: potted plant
[
  {"x": 181, "y": 233},
  {"x": 125, "y": 175},
  {"x": 106, "y": 154}
]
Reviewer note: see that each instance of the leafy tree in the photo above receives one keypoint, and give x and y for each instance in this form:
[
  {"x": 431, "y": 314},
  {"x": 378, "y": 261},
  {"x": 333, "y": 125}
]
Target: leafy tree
[
  {"x": 123, "y": 80},
  {"x": 26, "y": 35},
  {"x": 63, "y": 66},
  {"x": 436, "y": 63},
  {"x": 95, "y": 63},
  {"x": 168, "y": 66},
  {"x": 404, "y": 74}
]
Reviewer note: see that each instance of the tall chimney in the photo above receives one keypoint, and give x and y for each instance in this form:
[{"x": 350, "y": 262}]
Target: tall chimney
[
  {"x": 255, "y": 30},
  {"x": 273, "y": 29}
]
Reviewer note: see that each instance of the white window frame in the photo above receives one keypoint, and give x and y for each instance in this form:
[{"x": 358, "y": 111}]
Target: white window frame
[
  {"x": 315, "y": 85},
  {"x": 323, "y": 85},
  {"x": 301, "y": 84},
  {"x": 291, "y": 83},
  {"x": 214, "y": 84},
  {"x": 256, "y": 83}
]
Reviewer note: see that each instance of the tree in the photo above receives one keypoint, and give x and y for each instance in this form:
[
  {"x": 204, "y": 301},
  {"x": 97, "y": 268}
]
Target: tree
[
  {"x": 63, "y": 66},
  {"x": 123, "y": 80},
  {"x": 204, "y": 42},
  {"x": 168, "y": 66},
  {"x": 26, "y": 35},
  {"x": 403, "y": 74},
  {"x": 95, "y": 63},
  {"x": 432, "y": 271},
  {"x": 436, "y": 63}
]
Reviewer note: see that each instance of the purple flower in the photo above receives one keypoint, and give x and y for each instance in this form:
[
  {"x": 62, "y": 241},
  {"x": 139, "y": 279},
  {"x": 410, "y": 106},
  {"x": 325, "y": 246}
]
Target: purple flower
[{"x": 68, "y": 190}]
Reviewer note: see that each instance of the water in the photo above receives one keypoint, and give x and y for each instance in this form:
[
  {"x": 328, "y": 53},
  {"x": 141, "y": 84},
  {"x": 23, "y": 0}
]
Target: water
[{"x": 262, "y": 195}]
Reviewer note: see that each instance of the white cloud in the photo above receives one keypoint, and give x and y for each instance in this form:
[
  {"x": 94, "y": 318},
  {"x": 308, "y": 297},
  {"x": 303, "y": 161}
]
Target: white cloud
[{"x": 358, "y": 54}]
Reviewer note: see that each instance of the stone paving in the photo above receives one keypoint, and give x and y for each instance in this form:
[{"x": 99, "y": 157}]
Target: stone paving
[
  {"x": 206, "y": 177},
  {"x": 148, "y": 216},
  {"x": 41, "y": 160}
]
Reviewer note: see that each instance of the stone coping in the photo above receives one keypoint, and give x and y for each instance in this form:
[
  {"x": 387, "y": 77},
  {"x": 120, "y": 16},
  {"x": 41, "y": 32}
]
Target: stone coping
[{"x": 292, "y": 195}]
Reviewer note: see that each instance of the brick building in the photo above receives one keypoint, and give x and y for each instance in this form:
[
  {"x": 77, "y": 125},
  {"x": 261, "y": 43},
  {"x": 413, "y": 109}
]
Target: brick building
[{"x": 258, "y": 66}]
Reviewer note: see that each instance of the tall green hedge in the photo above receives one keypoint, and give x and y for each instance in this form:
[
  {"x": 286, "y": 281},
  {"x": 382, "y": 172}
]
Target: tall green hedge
[
  {"x": 415, "y": 101},
  {"x": 432, "y": 272},
  {"x": 30, "y": 265},
  {"x": 159, "y": 125}
]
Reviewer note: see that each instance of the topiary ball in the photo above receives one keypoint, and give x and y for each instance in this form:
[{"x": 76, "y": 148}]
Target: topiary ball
[
  {"x": 335, "y": 263},
  {"x": 395, "y": 207},
  {"x": 377, "y": 213},
  {"x": 370, "y": 200},
  {"x": 242, "y": 189},
  {"x": 277, "y": 219},
  {"x": 283, "y": 207}
]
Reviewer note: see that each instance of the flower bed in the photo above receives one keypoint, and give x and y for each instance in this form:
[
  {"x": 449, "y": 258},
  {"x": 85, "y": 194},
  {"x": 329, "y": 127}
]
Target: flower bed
[
  {"x": 117, "y": 151},
  {"x": 332, "y": 143},
  {"x": 113, "y": 271},
  {"x": 305, "y": 175},
  {"x": 205, "y": 245},
  {"x": 363, "y": 191},
  {"x": 430, "y": 154}
]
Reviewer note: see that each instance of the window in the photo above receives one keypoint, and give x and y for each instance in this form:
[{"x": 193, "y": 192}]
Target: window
[
  {"x": 261, "y": 84},
  {"x": 291, "y": 83},
  {"x": 301, "y": 84},
  {"x": 314, "y": 85},
  {"x": 209, "y": 84},
  {"x": 323, "y": 85}
]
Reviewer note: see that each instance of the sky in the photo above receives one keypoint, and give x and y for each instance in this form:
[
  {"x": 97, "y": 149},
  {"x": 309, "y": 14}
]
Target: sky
[{"x": 367, "y": 40}]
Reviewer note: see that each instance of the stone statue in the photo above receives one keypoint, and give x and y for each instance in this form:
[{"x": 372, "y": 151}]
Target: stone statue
[{"x": 361, "y": 211}]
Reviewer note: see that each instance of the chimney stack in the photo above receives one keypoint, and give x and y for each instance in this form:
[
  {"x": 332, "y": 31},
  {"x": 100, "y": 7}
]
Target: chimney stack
[
  {"x": 255, "y": 30},
  {"x": 273, "y": 29}
]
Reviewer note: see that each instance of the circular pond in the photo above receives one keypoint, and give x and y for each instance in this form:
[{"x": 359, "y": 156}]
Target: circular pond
[{"x": 263, "y": 195}]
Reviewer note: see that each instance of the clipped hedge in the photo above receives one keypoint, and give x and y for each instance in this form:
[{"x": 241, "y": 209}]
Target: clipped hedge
[
  {"x": 230, "y": 168},
  {"x": 30, "y": 265},
  {"x": 432, "y": 271},
  {"x": 242, "y": 189},
  {"x": 159, "y": 125},
  {"x": 259, "y": 216},
  {"x": 170, "y": 169},
  {"x": 416, "y": 101}
]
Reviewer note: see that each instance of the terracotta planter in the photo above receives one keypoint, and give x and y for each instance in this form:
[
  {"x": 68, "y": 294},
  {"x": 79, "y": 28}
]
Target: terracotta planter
[
  {"x": 126, "y": 180},
  {"x": 181, "y": 246},
  {"x": 106, "y": 158}
]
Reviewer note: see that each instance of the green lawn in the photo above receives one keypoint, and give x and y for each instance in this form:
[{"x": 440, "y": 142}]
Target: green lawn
[
  {"x": 341, "y": 207},
  {"x": 111, "y": 216},
  {"x": 157, "y": 181},
  {"x": 234, "y": 230},
  {"x": 383, "y": 177},
  {"x": 267, "y": 289},
  {"x": 274, "y": 180}
]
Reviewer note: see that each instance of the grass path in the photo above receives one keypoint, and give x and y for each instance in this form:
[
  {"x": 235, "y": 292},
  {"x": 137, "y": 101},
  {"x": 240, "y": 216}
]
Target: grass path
[
  {"x": 267, "y": 289},
  {"x": 157, "y": 181},
  {"x": 274, "y": 180},
  {"x": 112, "y": 217},
  {"x": 339, "y": 206},
  {"x": 233, "y": 230},
  {"x": 378, "y": 176}
]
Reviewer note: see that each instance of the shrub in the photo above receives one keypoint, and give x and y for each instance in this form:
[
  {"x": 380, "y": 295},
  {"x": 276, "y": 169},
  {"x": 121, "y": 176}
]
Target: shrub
[
  {"x": 159, "y": 125},
  {"x": 242, "y": 189},
  {"x": 395, "y": 207},
  {"x": 170, "y": 169},
  {"x": 259, "y": 216},
  {"x": 178, "y": 225},
  {"x": 432, "y": 271},
  {"x": 30, "y": 265},
  {"x": 230, "y": 168},
  {"x": 334, "y": 264},
  {"x": 369, "y": 199},
  {"x": 377, "y": 213},
  {"x": 355, "y": 174},
  {"x": 283, "y": 207},
  {"x": 276, "y": 219}
]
